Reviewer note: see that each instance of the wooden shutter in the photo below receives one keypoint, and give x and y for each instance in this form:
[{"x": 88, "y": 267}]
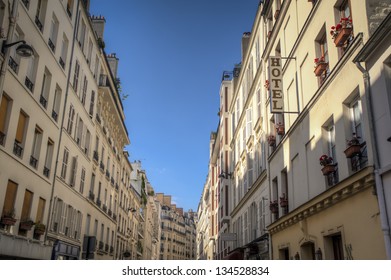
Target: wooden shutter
[
  {"x": 40, "y": 210},
  {"x": 3, "y": 112},
  {"x": 28, "y": 198},
  {"x": 20, "y": 129},
  {"x": 10, "y": 196}
]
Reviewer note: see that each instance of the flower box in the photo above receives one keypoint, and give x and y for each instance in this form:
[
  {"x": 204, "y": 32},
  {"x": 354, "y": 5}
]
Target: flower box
[
  {"x": 26, "y": 225},
  {"x": 7, "y": 221},
  {"x": 342, "y": 36},
  {"x": 39, "y": 229},
  {"x": 280, "y": 129},
  {"x": 320, "y": 68},
  {"x": 271, "y": 139},
  {"x": 353, "y": 150},
  {"x": 328, "y": 169},
  {"x": 274, "y": 207},
  {"x": 283, "y": 201}
]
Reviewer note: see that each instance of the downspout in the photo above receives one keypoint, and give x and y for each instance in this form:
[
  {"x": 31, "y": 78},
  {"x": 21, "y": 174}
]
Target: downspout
[
  {"x": 385, "y": 227},
  {"x": 50, "y": 215}
]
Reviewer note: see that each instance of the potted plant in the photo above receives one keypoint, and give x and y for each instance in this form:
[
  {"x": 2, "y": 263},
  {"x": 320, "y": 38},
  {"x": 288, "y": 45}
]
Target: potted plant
[
  {"x": 341, "y": 32},
  {"x": 274, "y": 207},
  {"x": 353, "y": 146},
  {"x": 8, "y": 217},
  {"x": 328, "y": 164},
  {"x": 280, "y": 128},
  {"x": 267, "y": 84},
  {"x": 39, "y": 228},
  {"x": 26, "y": 224},
  {"x": 320, "y": 66},
  {"x": 283, "y": 200},
  {"x": 271, "y": 139}
]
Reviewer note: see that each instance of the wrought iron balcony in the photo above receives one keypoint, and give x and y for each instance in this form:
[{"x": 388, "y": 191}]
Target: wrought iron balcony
[
  {"x": 101, "y": 166},
  {"x": 46, "y": 171},
  {"x": 29, "y": 84},
  {"x": 69, "y": 11},
  {"x": 62, "y": 63},
  {"x": 2, "y": 138},
  {"x": 107, "y": 174},
  {"x": 112, "y": 181},
  {"x": 18, "y": 149},
  {"x": 43, "y": 101},
  {"x": 51, "y": 45},
  {"x": 14, "y": 66},
  {"x": 95, "y": 156},
  {"x": 91, "y": 195},
  {"x": 26, "y": 3},
  {"x": 38, "y": 23},
  {"x": 33, "y": 161},
  {"x": 98, "y": 118},
  {"x": 54, "y": 115}
]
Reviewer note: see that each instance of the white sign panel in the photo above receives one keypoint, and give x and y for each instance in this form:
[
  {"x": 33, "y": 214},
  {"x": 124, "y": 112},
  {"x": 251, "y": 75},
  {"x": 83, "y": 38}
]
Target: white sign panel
[{"x": 276, "y": 93}]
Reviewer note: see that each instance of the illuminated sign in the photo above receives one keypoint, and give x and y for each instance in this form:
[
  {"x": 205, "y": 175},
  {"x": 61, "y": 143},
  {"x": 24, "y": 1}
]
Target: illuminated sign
[{"x": 276, "y": 93}]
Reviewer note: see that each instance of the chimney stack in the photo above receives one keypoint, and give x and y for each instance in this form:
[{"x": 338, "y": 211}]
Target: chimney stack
[
  {"x": 113, "y": 63},
  {"x": 245, "y": 43},
  {"x": 98, "y": 23}
]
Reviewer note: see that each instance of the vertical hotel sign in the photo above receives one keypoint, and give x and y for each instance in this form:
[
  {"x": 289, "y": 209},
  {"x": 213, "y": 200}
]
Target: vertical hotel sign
[{"x": 276, "y": 93}]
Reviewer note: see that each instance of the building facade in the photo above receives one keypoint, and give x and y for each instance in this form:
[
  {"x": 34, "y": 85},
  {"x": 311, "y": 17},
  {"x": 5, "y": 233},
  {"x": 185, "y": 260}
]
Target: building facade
[
  {"x": 67, "y": 187},
  {"x": 307, "y": 179}
]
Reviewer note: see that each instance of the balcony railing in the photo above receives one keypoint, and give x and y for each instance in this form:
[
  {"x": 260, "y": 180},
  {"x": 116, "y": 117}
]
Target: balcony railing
[
  {"x": 54, "y": 115},
  {"x": 51, "y": 45},
  {"x": 95, "y": 156},
  {"x": 112, "y": 181},
  {"x": 69, "y": 11},
  {"x": 91, "y": 195},
  {"x": 2, "y": 138},
  {"x": 18, "y": 149},
  {"x": 62, "y": 63},
  {"x": 14, "y": 66},
  {"x": 43, "y": 101},
  {"x": 46, "y": 171},
  {"x": 107, "y": 174},
  {"x": 103, "y": 81},
  {"x": 26, "y": 3},
  {"x": 98, "y": 118},
  {"x": 33, "y": 162},
  {"x": 38, "y": 23},
  {"x": 101, "y": 166},
  {"x": 29, "y": 84}
]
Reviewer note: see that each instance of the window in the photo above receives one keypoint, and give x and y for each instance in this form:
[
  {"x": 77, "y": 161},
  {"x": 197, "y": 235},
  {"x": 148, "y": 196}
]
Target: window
[
  {"x": 53, "y": 33},
  {"x": 322, "y": 55},
  {"x": 89, "y": 53},
  {"x": 82, "y": 180},
  {"x": 87, "y": 143},
  {"x": 331, "y": 178},
  {"x": 96, "y": 70},
  {"x": 64, "y": 51},
  {"x": 72, "y": 180},
  {"x": 84, "y": 92},
  {"x": 92, "y": 185},
  {"x": 64, "y": 164},
  {"x": 92, "y": 103},
  {"x": 31, "y": 72},
  {"x": 5, "y": 109},
  {"x": 49, "y": 157},
  {"x": 250, "y": 163},
  {"x": 56, "y": 103},
  {"x": 36, "y": 149},
  {"x": 40, "y": 210},
  {"x": 70, "y": 8},
  {"x": 45, "y": 88},
  {"x": 9, "y": 199},
  {"x": 71, "y": 116},
  {"x": 26, "y": 208},
  {"x": 82, "y": 35},
  {"x": 76, "y": 76},
  {"x": 249, "y": 125},
  {"x": 359, "y": 160},
  {"x": 80, "y": 129},
  {"x": 20, "y": 134},
  {"x": 40, "y": 14}
]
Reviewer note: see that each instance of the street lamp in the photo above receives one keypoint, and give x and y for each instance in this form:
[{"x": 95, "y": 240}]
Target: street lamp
[
  {"x": 24, "y": 50},
  {"x": 225, "y": 175}
]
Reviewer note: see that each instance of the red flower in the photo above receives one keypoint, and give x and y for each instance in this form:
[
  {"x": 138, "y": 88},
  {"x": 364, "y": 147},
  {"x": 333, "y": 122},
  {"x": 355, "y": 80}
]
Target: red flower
[
  {"x": 338, "y": 27},
  {"x": 333, "y": 27}
]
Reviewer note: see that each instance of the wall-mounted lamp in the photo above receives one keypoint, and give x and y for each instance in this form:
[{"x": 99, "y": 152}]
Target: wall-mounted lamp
[
  {"x": 225, "y": 175},
  {"x": 318, "y": 254},
  {"x": 23, "y": 49},
  {"x": 297, "y": 256},
  {"x": 389, "y": 139},
  {"x": 131, "y": 209}
]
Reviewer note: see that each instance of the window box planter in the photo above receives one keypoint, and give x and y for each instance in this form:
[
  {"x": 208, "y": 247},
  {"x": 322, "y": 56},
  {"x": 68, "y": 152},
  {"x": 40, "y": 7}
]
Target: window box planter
[
  {"x": 271, "y": 139},
  {"x": 280, "y": 129},
  {"x": 353, "y": 150},
  {"x": 342, "y": 36},
  {"x": 320, "y": 67},
  {"x": 328, "y": 169},
  {"x": 26, "y": 225},
  {"x": 328, "y": 165},
  {"x": 283, "y": 201},
  {"x": 39, "y": 229},
  {"x": 274, "y": 207},
  {"x": 7, "y": 221}
]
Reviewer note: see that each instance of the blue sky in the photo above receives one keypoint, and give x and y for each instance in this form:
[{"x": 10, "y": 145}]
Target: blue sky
[{"x": 172, "y": 54}]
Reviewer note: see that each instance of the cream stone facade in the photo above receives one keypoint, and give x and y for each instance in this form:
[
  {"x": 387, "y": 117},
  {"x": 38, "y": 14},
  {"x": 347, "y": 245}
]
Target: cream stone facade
[
  {"x": 307, "y": 178},
  {"x": 67, "y": 187}
]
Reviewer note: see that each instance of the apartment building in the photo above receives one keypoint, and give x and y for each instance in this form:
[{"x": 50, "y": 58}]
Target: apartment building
[
  {"x": 67, "y": 192},
  {"x": 177, "y": 231},
  {"x": 307, "y": 179}
]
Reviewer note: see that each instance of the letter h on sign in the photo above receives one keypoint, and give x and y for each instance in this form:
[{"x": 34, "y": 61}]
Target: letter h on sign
[{"x": 276, "y": 96}]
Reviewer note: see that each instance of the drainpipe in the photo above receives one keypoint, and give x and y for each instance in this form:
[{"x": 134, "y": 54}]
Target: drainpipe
[
  {"x": 385, "y": 226},
  {"x": 50, "y": 215}
]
